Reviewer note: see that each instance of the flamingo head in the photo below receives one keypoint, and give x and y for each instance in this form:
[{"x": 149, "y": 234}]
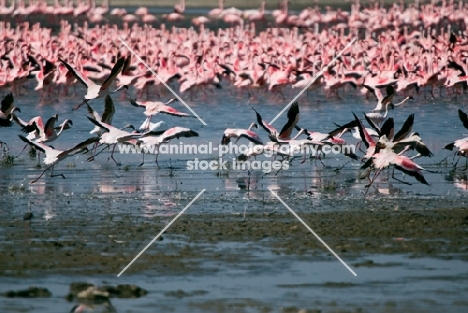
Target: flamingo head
[
  {"x": 253, "y": 125},
  {"x": 128, "y": 126}
]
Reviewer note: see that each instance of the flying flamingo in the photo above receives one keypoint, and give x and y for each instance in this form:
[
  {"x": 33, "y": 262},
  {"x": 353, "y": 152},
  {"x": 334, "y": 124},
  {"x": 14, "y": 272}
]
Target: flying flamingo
[
  {"x": 148, "y": 139},
  {"x": 94, "y": 90},
  {"x": 153, "y": 108},
  {"x": 112, "y": 136},
  {"x": 461, "y": 144},
  {"x": 107, "y": 115},
  {"x": 53, "y": 156},
  {"x": 285, "y": 133},
  {"x": 241, "y": 133},
  {"x": 383, "y": 158},
  {"x": 48, "y": 132}
]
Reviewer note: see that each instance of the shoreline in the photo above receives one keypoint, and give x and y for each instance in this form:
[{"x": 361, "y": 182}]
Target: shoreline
[{"x": 83, "y": 245}]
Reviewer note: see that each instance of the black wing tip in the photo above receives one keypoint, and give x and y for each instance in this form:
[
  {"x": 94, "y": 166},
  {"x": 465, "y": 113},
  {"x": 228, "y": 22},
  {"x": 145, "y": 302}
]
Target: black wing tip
[
  {"x": 24, "y": 138},
  {"x": 225, "y": 140},
  {"x": 450, "y": 146},
  {"x": 5, "y": 123}
]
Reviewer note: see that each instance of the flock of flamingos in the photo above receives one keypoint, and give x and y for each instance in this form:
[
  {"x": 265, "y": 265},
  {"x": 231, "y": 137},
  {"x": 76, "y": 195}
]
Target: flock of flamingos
[{"x": 401, "y": 51}]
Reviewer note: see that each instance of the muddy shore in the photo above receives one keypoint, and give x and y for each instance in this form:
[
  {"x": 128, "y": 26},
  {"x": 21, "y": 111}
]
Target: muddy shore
[{"x": 105, "y": 244}]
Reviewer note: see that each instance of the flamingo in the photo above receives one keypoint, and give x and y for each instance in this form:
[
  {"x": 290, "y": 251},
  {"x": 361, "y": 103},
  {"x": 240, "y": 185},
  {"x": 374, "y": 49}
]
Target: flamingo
[
  {"x": 255, "y": 15},
  {"x": 53, "y": 156},
  {"x": 461, "y": 144},
  {"x": 112, "y": 136},
  {"x": 241, "y": 133},
  {"x": 153, "y": 108},
  {"x": 217, "y": 12},
  {"x": 148, "y": 139},
  {"x": 94, "y": 90},
  {"x": 179, "y": 7},
  {"x": 107, "y": 115},
  {"x": 383, "y": 158},
  {"x": 48, "y": 132},
  {"x": 285, "y": 133}
]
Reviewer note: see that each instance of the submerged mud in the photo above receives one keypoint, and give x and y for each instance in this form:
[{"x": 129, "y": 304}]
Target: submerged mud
[{"x": 105, "y": 244}]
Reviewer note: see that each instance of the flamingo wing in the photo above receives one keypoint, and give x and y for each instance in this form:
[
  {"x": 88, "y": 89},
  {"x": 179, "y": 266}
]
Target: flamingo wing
[
  {"x": 50, "y": 125},
  {"x": 372, "y": 124},
  {"x": 461, "y": 114},
  {"x": 339, "y": 130},
  {"x": 177, "y": 132},
  {"x": 293, "y": 118},
  {"x": 113, "y": 74},
  {"x": 97, "y": 123},
  {"x": 109, "y": 110},
  {"x": 38, "y": 146},
  {"x": 78, "y": 75},
  {"x": 7, "y": 104},
  {"x": 405, "y": 129},
  {"x": 416, "y": 174},
  {"x": 387, "y": 128},
  {"x": 251, "y": 136},
  {"x": 267, "y": 127},
  {"x": 137, "y": 104},
  {"x": 93, "y": 113},
  {"x": 35, "y": 124},
  {"x": 171, "y": 111},
  {"x": 79, "y": 147},
  {"x": 365, "y": 137}
]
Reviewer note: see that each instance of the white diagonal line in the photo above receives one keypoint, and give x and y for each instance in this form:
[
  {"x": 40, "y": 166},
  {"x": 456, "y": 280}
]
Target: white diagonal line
[
  {"x": 162, "y": 81},
  {"x": 313, "y": 233},
  {"x": 161, "y": 232},
  {"x": 314, "y": 79}
]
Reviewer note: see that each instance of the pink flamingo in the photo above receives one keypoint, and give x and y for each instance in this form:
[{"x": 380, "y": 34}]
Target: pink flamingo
[
  {"x": 53, "y": 156},
  {"x": 94, "y": 90},
  {"x": 241, "y": 133}
]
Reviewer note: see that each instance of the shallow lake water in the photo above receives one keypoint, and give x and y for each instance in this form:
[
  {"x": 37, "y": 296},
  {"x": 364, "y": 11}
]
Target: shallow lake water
[{"x": 263, "y": 282}]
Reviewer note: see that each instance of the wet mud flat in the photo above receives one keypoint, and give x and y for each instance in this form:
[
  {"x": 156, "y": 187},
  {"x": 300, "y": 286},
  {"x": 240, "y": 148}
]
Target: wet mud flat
[{"x": 252, "y": 262}]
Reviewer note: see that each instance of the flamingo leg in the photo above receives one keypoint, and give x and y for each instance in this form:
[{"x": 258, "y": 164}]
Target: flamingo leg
[
  {"x": 156, "y": 160},
  {"x": 142, "y": 162},
  {"x": 80, "y": 105},
  {"x": 52, "y": 173},
  {"x": 157, "y": 154},
  {"x": 21, "y": 151},
  {"x": 112, "y": 155},
  {"x": 373, "y": 179},
  {"x": 33, "y": 181},
  {"x": 91, "y": 158}
]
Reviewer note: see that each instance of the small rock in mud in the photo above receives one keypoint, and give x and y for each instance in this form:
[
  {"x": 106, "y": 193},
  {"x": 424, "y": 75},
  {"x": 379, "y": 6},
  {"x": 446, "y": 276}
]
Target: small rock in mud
[
  {"x": 182, "y": 294},
  {"x": 125, "y": 291},
  {"x": 31, "y": 292}
]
